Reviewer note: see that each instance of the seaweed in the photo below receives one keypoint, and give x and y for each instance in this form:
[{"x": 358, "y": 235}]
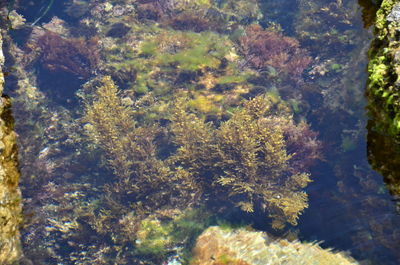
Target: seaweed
[
  {"x": 243, "y": 161},
  {"x": 268, "y": 48},
  {"x": 76, "y": 56}
]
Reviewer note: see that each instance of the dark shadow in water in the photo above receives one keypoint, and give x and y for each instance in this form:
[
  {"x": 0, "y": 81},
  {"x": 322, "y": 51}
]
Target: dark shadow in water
[
  {"x": 281, "y": 12},
  {"x": 60, "y": 86},
  {"x": 369, "y": 8},
  {"x": 45, "y": 10},
  {"x": 384, "y": 157}
]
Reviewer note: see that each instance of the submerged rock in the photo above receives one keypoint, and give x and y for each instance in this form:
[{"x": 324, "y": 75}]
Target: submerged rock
[{"x": 217, "y": 246}]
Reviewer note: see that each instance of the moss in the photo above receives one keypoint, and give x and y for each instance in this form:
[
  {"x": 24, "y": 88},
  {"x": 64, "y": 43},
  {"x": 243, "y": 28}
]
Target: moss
[
  {"x": 384, "y": 98},
  {"x": 190, "y": 224},
  {"x": 380, "y": 22}
]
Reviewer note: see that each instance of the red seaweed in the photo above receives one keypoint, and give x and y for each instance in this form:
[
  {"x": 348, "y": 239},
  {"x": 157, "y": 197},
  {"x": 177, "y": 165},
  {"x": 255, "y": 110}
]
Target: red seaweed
[
  {"x": 263, "y": 48},
  {"x": 75, "y": 55}
]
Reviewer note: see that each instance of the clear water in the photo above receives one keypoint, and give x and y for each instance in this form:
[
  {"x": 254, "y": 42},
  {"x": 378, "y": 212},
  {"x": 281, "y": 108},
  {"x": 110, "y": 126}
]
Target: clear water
[{"x": 350, "y": 209}]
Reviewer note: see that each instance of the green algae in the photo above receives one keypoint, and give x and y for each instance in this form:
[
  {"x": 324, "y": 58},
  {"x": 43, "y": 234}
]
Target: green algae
[{"x": 383, "y": 74}]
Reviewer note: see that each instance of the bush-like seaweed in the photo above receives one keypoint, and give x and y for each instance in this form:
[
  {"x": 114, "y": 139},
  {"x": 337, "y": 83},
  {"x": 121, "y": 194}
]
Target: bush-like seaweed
[
  {"x": 264, "y": 48},
  {"x": 130, "y": 150},
  {"x": 244, "y": 160},
  {"x": 75, "y": 56}
]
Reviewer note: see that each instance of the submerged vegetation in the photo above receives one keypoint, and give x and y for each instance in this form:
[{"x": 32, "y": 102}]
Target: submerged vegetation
[
  {"x": 265, "y": 49},
  {"x": 144, "y": 122},
  {"x": 243, "y": 160}
]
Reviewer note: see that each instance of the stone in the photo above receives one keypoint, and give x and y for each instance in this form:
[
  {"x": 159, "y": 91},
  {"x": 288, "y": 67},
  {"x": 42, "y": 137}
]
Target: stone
[{"x": 216, "y": 246}]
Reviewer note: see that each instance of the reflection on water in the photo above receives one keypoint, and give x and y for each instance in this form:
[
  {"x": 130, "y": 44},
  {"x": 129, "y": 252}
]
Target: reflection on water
[{"x": 138, "y": 129}]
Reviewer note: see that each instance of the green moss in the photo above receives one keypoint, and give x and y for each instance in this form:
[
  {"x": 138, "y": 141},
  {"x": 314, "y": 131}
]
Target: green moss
[
  {"x": 384, "y": 104},
  {"x": 384, "y": 10},
  {"x": 190, "y": 224},
  {"x": 168, "y": 61},
  {"x": 378, "y": 71},
  {"x": 204, "y": 49}
]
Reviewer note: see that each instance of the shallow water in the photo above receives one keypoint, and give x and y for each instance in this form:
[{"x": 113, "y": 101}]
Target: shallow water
[{"x": 65, "y": 175}]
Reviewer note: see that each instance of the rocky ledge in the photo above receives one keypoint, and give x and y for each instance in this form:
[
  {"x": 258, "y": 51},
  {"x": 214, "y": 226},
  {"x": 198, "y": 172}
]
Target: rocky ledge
[{"x": 10, "y": 196}]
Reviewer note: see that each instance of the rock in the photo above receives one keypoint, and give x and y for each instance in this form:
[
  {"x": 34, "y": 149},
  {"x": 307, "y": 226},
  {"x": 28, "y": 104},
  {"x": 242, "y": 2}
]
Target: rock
[
  {"x": 10, "y": 195},
  {"x": 217, "y": 246},
  {"x": 394, "y": 15}
]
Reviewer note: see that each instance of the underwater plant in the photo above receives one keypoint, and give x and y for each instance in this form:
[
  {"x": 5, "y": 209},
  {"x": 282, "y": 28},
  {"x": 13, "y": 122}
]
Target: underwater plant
[
  {"x": 314, "y": 20},
  {"x": 131, "y": 152},
  {"x": 266, "y": 48},
  {"x": 245, "y": 159},
  {"x": 76, "y": 56},
  {"x": 209, "y": 14},
  {"x": 204, "y": 64}
]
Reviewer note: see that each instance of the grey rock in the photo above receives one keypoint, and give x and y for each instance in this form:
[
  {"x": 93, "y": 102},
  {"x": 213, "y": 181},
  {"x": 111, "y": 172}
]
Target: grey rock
[{"x": 394, "y": 15}]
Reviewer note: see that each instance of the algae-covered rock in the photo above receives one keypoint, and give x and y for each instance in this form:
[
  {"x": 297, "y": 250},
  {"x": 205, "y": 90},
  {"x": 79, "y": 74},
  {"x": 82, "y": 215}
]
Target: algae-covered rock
[
  {"x": 384, "y": 71},
  {"x": 384, "y": 96},
  {"x": 10, "y": 197},
  {"x": 216, "y": 246}
]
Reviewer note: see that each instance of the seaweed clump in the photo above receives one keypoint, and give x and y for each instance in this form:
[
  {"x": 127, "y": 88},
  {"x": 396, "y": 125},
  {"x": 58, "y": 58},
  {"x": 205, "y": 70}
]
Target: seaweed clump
[
  {"x": 242, "y": 161},
  {"x": 268, "y": 48},
  {"x": 131, "y": 152},
  {"x": 245, "y": 159},
  {"x": 75, "y": 56}
]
